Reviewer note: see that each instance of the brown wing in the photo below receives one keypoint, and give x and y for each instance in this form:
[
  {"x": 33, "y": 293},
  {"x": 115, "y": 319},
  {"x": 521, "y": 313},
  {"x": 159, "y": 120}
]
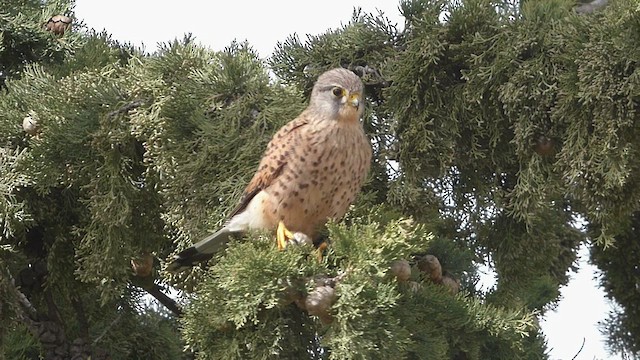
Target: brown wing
[{"x": 273, "y": 161}]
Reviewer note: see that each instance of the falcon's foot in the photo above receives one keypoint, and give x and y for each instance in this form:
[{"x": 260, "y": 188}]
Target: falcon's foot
[{"x": 284, "y": 236}]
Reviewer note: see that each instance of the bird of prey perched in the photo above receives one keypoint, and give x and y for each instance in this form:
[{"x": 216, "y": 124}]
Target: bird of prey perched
[{"x": 311, "y": 171}]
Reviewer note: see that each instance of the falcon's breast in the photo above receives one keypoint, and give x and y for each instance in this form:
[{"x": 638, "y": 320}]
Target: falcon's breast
[{"x": 323, "y": 170}]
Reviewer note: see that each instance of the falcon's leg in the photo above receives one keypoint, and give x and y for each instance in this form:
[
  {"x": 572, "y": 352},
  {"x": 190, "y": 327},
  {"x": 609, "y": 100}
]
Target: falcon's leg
[
  {"x": 283, "y": 235},
  {"x": 323, "y": 245}
]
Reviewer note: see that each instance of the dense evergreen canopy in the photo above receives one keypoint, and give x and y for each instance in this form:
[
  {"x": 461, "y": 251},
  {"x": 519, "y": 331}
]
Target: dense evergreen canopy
[{"x": 498, "y": 129}]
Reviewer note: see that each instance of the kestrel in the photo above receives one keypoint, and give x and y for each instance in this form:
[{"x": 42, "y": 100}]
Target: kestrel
[{"x": 311, "y": 171}]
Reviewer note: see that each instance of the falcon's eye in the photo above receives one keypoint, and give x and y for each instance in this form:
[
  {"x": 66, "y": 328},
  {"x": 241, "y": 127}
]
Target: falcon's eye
[{"x": 338, "y": 92}]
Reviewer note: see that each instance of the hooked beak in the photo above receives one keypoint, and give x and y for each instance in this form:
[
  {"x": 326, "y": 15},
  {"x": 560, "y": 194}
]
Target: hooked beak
[{"x": 354, "y": 100}]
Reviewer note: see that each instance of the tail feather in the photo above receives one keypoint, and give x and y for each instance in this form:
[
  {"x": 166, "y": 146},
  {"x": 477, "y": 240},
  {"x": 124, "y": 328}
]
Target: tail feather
[{"x": 201, "y": 251}]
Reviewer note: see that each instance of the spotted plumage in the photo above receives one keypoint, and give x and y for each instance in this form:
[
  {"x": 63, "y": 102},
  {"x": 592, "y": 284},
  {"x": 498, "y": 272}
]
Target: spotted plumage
[{"x": 311, "y": 171}]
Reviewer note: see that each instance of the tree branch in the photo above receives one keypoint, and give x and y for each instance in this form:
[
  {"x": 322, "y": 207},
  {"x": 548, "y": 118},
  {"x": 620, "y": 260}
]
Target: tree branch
[
  {"x": 126, "y": 108},
  {"x": 143, "y": 277},
  {"x": 52, "y": 308},
  {"x": 28, "y": 310},
  {"x": 49, "y": 333},
  {"x": 165, "y": 300}
]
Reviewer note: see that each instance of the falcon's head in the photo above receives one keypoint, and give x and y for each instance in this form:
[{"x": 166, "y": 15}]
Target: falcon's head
[{"x": 338, "y": 95}]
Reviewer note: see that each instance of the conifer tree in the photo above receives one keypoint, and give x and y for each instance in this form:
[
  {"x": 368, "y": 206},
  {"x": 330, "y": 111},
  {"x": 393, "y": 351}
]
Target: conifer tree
[{"x": 494, "y": 127}]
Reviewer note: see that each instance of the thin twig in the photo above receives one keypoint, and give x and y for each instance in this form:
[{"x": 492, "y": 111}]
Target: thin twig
[
  {"x": 106, "y": 330},
  {"x": 580, "y": 350},
  {"x": 372, "y": 74},
  {"x": 126, "y": 108}
]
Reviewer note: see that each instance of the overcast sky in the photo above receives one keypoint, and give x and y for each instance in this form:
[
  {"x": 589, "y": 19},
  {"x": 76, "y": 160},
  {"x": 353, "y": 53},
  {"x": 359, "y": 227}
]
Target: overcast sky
[{"x": 263, "y": 23}]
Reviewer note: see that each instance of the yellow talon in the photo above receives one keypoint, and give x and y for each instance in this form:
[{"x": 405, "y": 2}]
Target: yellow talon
[{"x": 282, "y": 236}]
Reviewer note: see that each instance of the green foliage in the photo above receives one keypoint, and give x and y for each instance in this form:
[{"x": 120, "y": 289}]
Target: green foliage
[
  {"x": 621, "y": 271},
  {"x": 366, "y": 40},
  {"x": 13, "y": 215},
  {"x": 473, "y": 96},
  {"x": 141, "y": 333},
  {"x": 98, "y": 50},
  {"x": 144, "y": 153},
  {"x": 19, "y": 344},
  {"x": 239, "y": 310},
  {"x": 374, "y": 317},
  {"x": 24, "y": 40}
]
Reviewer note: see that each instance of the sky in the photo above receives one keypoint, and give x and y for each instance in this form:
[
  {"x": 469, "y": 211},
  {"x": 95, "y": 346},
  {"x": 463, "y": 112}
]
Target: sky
[{"x": 216, "y": 24}]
